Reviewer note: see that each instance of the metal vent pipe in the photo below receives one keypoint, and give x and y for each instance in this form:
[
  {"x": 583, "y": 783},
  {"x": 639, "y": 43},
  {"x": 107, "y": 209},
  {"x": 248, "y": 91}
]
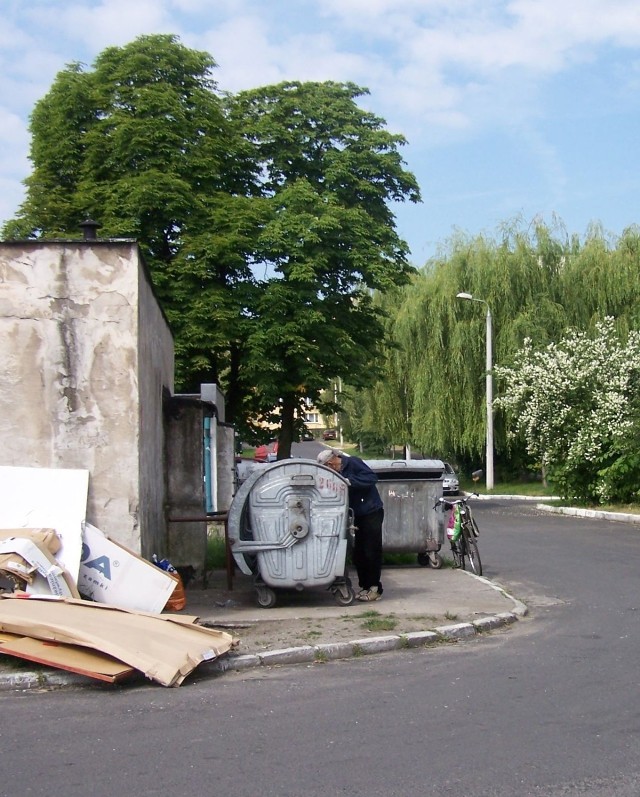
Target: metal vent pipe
[{"x": 89, "y": 229}]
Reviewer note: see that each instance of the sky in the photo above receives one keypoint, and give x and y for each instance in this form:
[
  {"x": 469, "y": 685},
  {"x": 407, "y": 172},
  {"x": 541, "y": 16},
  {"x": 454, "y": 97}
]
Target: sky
[{"x": 514, "y": 111}]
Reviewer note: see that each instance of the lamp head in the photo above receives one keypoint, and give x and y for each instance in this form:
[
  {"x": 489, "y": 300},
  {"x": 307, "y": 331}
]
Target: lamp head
[{"x": 464, "y": 296}]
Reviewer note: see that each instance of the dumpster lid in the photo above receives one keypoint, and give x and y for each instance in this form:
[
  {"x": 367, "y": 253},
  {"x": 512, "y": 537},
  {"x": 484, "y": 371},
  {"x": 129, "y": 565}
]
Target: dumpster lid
[{"x": 407, "y": 468}]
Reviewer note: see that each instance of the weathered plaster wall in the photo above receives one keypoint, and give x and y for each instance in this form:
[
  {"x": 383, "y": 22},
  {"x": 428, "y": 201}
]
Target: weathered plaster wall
[
  {"x": 156, "y": 367},
  {"x": 73, "y": 318}
]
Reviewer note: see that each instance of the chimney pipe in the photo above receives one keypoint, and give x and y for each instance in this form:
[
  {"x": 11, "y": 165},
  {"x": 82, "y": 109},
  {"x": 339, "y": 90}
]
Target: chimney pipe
[{"x": 89, "y": 229}]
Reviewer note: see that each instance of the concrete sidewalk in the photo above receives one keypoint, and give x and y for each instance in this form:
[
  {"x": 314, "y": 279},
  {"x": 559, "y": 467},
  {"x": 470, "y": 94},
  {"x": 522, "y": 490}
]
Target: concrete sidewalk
[
  {"x": 420, "y": 605},
  {"x": 426, "y": 606}
]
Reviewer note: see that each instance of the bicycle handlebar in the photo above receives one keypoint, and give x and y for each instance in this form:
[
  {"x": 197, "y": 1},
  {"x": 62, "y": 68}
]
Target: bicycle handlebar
[{"x": 449, "y": 504}]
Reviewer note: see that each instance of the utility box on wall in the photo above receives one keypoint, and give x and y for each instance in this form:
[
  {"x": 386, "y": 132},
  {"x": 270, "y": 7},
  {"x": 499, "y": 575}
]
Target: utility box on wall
[{"x": 87, "y": 358}]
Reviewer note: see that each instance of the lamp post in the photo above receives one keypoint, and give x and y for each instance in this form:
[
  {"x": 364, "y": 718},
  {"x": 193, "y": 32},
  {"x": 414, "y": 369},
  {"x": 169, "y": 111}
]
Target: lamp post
[{"x": 489, "y": 383}]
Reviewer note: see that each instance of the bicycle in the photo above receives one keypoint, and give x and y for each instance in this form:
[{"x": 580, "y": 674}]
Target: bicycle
[{"x": 462, "y": 533}]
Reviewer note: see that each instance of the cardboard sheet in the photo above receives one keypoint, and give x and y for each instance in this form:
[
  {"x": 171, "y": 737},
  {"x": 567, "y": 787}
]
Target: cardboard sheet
[
  {"x": 49, "y": 498},
  {"x": 164, "y": 648},
  {"x": 65, "y": 657},
  {"x": 46, "y": 538},
  {"x": 109, "y": 573},
  {"x": 49, "y": 578}
]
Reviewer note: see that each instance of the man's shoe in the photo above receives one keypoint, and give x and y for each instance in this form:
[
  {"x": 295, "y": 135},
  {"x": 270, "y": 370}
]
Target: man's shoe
[{"x": 369, "y": 595}]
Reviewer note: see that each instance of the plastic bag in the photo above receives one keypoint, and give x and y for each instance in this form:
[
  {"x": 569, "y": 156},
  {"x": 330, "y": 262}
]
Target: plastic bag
[{"x": 178, "y": 598}]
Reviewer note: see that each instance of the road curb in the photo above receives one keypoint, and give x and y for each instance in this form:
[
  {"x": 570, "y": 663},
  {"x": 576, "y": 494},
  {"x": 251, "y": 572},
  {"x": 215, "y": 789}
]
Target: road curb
[
  {"x": 519, "y": 608},
  {"x": 598, "y": 514},
  {"x": 384, "y": 644},
  {"x": 304, "y": 654}
]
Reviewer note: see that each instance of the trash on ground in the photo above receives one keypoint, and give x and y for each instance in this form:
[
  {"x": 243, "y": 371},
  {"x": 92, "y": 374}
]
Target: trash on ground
[
  {"x": 109, "y": 573},
  {"x": 24, "y": 558},
  {"x": 63, "y": 571},
  {"x": 165, "y": 648},
  {"x": 65, "y": 657}
]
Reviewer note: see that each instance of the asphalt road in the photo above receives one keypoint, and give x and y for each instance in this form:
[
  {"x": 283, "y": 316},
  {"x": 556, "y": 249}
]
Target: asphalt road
[{"x": 548, "y": 707}]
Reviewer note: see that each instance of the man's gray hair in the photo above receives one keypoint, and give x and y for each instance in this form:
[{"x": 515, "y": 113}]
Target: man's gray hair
[{"x": 325, "y": 455}]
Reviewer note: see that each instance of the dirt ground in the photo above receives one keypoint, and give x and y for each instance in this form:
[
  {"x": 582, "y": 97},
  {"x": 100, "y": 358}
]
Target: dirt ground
[{"x": 356, "y": 623}]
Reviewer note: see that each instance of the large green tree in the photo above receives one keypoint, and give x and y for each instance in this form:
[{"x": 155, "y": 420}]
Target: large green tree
[
  {"x": 538, "y": 282},
  {"x": 329, "y": 171},
  {"x": 141, "y": 143},
  {"x": 265, "y": 217}
]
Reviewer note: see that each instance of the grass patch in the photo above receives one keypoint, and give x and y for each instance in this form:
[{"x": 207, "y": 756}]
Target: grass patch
[
  {"x": 509, "y": 488},
  {"x": 373, "y": 621},
  {"x": 398, "y": 559},
  {"x": 215, "y": 557},
  {"x": 629, "y": 509},
  {"x": 451, "y": 616}
]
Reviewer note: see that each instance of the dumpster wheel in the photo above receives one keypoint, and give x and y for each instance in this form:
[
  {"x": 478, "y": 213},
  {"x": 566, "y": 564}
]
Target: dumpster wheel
[
  {"x": 266, "y": 597},
  {"x": 430, "y": 559},
  {"x": 343, "y": 592}
]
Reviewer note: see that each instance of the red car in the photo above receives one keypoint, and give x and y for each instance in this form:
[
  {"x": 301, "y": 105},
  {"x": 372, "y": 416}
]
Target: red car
[{"x": 267, "y": 453}]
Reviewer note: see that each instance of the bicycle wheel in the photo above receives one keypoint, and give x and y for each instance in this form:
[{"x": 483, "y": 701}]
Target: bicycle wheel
[
  {"x": 472, "y": 552},
  {"x": 456, "y": 551}
]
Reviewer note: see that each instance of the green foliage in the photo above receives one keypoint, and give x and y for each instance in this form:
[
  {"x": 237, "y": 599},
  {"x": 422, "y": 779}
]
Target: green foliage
[
  {"x": 292, "y": 181},
  {"x": 575, "y": 405},
  {"x": 216, "y": 552},
  {"x": 538, "y": 282},
  {"x": 327, "y": 171}
]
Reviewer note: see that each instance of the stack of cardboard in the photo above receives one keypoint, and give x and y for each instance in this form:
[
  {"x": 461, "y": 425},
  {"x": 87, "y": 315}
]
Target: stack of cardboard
[{"x": 82, "y": 602}]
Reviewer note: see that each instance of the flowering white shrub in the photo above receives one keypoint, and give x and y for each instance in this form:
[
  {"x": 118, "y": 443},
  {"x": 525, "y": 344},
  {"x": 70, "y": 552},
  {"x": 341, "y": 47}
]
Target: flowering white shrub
[{"x": 575, "y": 404}]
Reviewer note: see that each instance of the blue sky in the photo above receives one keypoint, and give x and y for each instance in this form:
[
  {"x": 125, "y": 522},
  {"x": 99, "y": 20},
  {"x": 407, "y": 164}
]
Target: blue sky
[{"x": 518, "y": 109}]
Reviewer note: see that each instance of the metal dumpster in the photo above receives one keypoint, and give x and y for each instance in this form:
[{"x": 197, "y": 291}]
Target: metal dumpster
[
  {"x": 409, "y": 488},
  {"x": 289, "y": 527}
]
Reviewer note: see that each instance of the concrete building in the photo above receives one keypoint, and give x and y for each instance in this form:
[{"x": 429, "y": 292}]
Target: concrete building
[{"x": 88, "y": 364}]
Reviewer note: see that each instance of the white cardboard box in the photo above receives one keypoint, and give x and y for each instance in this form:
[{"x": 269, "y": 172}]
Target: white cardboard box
[{"x": 111, "y": 574}]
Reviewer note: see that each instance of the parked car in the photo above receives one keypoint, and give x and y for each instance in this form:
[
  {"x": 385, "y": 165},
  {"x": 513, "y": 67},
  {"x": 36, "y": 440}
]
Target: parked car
[
  {"x": 267, "y": 453},
  {"x": 450, "y": 483},
  {"x": 330, "y": 434}
]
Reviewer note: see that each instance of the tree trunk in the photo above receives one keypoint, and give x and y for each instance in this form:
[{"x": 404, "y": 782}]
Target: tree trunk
[
  {"x": 289, "y": 404},
  {"x": 233, "y": 399}
]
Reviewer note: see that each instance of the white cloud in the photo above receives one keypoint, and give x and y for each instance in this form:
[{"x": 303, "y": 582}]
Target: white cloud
[
  {"x": 98, "y": 25},
  {"x": 439, "y": 70},
  {"x": 251, "y": 53}
]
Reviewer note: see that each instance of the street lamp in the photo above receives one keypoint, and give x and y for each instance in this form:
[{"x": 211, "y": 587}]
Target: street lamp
[{"x": 489, "y": 379}]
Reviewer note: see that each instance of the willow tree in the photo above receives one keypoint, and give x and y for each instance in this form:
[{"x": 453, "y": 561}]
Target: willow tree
[
  {"x": 441, "y": 343},
  {"x": 600, "y": 278},
  {"x": 537, "y": 282}
]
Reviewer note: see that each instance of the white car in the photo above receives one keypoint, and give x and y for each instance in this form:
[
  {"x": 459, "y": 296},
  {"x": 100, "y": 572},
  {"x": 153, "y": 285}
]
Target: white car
[{"x": 450, "y": 483}]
